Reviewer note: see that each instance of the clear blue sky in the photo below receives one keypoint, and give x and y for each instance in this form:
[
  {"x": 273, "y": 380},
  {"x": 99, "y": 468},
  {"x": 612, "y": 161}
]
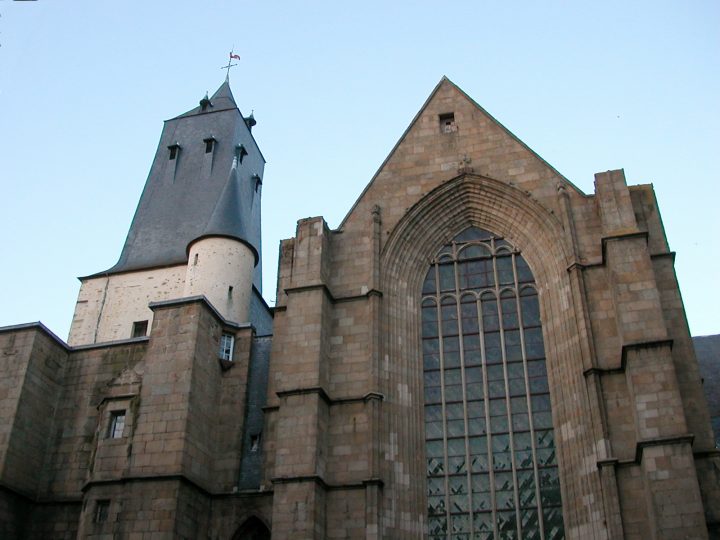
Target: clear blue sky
[{"x": 590, "y": 86}]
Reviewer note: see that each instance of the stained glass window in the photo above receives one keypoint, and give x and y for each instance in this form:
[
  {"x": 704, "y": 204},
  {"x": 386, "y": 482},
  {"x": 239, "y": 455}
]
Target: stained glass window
[{"x": 491, "y": 464}]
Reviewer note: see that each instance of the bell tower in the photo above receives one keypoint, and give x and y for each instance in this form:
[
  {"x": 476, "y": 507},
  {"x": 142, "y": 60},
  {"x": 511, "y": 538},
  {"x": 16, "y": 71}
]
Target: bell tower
[{"x": 196, "y": 230}]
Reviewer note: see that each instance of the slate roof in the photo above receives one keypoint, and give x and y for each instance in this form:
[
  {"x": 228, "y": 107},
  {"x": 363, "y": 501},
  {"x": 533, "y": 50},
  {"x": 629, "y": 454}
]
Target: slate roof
[
  {"x": 198, "y": 193},
  {"x": 228, "y": 217},
  {"x": 707, "y": 350},
  {"x": 221, "y": 100}
]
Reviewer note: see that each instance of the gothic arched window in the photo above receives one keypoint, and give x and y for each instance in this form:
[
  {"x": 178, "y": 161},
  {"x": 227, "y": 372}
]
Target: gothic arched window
[{"x": 489, "y": 445}]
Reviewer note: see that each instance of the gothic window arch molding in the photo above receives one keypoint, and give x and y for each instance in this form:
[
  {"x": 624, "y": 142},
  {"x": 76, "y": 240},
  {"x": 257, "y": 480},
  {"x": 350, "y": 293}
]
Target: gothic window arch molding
[
  {"x": 414, "y": 242},
  {"x": 491, "y": 469}
]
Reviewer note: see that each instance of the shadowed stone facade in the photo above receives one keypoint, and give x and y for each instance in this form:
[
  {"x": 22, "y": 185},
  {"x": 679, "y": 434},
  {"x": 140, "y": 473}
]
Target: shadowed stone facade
[{"x": 319, "y": 430}]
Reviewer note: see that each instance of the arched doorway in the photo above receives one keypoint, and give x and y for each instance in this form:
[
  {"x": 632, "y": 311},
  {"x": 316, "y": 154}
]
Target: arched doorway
[{"x": 252, "y": 529}]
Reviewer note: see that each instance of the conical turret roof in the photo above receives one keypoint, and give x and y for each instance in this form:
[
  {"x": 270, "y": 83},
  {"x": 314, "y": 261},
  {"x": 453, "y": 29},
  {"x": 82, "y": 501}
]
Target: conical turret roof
[{"x": 229, "y": 216}]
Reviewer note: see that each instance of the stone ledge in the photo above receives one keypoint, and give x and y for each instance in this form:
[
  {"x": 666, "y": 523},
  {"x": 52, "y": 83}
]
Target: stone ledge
[
  {"x": 334, "y": 299},
  {"x": 687, "y": 438},
  {"x": 623, "y": 359},
  {"x": 326, "y": 397},
  {"x": 202, "y": 299},
  {"x": 320, "y": 481},
  {"x": 37, "y": 325}
]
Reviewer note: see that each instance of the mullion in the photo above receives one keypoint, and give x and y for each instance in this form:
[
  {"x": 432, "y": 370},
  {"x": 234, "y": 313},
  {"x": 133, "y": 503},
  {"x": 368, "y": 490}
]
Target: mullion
[
  {"x": 442, "y": 395},
  {"x": 486, "y": 401},
  {"x": 503, "y": 352},
  {"x": 533, "y": 447}
]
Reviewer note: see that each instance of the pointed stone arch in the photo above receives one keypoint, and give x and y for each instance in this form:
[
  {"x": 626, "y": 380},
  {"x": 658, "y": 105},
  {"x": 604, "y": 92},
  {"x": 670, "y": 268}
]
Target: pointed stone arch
[
  {"x": 252, "y": 528},
  {"x": 464, "y": 201}
]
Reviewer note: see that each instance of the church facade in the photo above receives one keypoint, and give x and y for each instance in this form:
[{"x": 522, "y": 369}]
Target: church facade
[{"x": 478, "y": 351}]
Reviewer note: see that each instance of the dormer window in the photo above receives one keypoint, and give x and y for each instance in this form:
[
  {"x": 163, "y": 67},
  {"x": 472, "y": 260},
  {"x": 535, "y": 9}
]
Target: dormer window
[
  {"x": 257, "y": 181},
  {"x": 447, "y": 123},
  {"x": 209, "y": 144},
  {"x": 240, "y": 152},
  {"x": 174, "y": 151}
]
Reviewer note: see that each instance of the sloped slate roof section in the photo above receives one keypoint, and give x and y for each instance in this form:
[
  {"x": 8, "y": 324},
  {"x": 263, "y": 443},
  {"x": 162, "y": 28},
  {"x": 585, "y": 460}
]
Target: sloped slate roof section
[
  {"x": 221, "y": 100},
  {"x": 181, "y": 196},
  {"x": 230, "y": 217},
  {"x": 707, "y": 350}
]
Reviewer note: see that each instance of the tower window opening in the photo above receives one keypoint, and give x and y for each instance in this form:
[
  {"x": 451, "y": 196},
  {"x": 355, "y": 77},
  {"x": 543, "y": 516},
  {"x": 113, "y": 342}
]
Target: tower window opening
[
  {"x": 195, "y": 260},
  {"x": 139, "y": 329},
  {"x": 447, "y": 123},
  {"x": 240, "y": 152},
  {"x": 102, "y": 510},
  {"x": 258, "y": 181},
  {"x": 117, "y": 425},
  {"x": 230, "y": 291},
  {"x": 227, "y": 343},
  {"x": 174, "y": 151},
  {"x": 255, "y": 442},
  {"x": 209, "y": 145}
]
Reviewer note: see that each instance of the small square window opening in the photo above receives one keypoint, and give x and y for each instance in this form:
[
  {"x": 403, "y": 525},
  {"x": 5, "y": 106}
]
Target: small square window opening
[
  {"x": 139, "y": 329},
  {"x": 102, "y": 510},
  {"x": 447, "y": 123},
  {"x": 117, "y": 424},
  {"x": 227, "y": 341}
]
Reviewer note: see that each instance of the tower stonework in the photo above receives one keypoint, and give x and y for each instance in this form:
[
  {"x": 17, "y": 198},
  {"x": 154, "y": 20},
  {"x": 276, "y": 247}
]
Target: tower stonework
[{"x": 478, "y": 351}]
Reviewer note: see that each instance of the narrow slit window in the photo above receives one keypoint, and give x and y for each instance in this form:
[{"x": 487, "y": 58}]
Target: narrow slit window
[
  {"x": 255, "y": 442},
  {"x": 240, "y": 152},
  {"x": 117, "y": 425},
  {"x": 102, "y": 511}
]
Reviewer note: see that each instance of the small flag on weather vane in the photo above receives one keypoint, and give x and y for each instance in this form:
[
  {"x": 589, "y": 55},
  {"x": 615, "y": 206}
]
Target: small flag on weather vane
[{"x": 230, "y": 64}]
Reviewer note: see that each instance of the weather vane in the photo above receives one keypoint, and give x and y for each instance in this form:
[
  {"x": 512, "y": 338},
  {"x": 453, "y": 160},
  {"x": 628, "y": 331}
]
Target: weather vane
[{"x": 230, "y": 64}]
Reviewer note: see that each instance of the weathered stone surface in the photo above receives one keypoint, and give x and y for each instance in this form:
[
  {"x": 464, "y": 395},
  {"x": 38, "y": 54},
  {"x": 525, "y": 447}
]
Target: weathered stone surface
[{"x": 318, "y": 431}]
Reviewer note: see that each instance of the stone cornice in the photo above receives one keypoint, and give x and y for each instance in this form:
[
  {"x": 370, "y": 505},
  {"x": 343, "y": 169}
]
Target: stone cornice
[
  {"x": 319, "y": 390},
  {"x": 320, "y": 481},
  {"x": 623, "y": 356}
]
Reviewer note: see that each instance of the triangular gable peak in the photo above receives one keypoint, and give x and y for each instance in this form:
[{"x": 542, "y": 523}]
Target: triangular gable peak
[{"x": 452, "y": 134}]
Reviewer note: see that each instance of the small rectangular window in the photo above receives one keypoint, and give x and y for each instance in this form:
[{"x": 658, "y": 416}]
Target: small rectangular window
[
  {"x": 174, "y": 151},
  {"x": 139, "y": 329},
  {"x": 117, "y": 425},
  {"x": 209, "y": 143},
  {"x": 447, "y": 123},
  {"x": 102, "y": 510},
  {"x": 255, "y": 443},
  {"x": 227, "y": 342}
]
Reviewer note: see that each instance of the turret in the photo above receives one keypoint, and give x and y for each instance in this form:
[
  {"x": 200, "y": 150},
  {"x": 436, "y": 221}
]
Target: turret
[{"x": 221, "y": 260}]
